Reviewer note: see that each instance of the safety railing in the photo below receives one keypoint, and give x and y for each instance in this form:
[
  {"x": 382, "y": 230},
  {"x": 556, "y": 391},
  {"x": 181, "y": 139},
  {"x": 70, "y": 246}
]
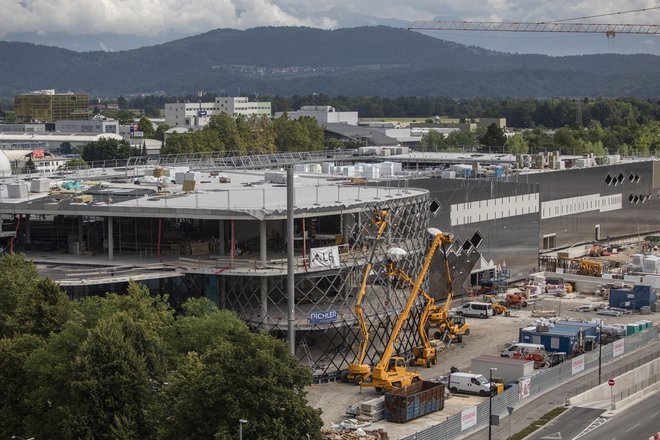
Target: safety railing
[{"x": 519, "y": 394}]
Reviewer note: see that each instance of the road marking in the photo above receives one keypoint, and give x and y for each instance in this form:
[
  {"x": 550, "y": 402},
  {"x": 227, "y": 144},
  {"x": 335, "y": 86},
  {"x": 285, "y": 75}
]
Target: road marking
[
  {"x": 555, "y": 436},
  {"x": 632, "y": 427},
  {"x": 655, "y": 414}
]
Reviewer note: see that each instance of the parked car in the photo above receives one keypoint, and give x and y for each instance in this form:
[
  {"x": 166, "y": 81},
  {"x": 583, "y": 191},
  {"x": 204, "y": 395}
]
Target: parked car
[{"x": 585, "y": 308}]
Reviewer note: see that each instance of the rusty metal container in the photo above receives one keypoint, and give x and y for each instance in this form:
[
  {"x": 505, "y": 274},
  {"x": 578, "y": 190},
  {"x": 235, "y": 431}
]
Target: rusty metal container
[{"x": 405, "y": 404}]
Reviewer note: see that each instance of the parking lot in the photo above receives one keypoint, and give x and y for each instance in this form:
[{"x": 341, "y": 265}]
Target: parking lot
[{"x": 487, "y": 336}]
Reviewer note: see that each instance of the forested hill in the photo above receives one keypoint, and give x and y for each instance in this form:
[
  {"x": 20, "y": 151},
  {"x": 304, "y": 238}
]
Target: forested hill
[{"x": 379, "y": 60}]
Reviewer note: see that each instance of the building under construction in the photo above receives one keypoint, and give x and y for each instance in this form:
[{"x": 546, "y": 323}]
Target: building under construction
[{"x": 212, "y": 228}]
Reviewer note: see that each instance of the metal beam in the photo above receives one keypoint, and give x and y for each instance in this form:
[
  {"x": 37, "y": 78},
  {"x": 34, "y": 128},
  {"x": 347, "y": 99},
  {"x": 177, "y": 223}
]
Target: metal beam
[{"x": 493, "y": 26}]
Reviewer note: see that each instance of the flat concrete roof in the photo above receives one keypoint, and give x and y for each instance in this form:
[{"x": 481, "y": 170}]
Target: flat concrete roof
[{"x": 246, "y": 196}]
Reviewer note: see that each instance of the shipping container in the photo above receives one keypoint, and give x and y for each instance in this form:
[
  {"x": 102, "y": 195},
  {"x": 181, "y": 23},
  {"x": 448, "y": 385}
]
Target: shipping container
[
  {"x": 508, "y": 370},
  {"x": 589, "y": 328},
  {"x": 405, "y": 404},
  {"x": 638, "y": 296},
  {"x": 564, "y": 340}
]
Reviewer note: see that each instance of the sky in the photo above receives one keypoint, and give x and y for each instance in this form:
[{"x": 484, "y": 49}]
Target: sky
[{"x": 151, "y": 19}]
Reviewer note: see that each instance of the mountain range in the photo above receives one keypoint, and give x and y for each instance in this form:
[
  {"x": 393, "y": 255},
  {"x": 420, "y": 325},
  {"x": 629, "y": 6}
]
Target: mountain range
[{"x": 372, "y": 60}]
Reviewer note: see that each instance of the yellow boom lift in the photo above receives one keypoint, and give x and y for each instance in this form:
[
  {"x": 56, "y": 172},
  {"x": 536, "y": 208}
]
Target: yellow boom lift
[
  {"x": 391, "y": 372},
  {"x": 426, "y": 355},
  {"x": 454, "y": 328},
  {"x": 359, "y": 371}
]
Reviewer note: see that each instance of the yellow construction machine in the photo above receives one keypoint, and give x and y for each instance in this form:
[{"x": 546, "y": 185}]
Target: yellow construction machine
[
  {"x": 450, "y": 328},
  {"x": 498, "y": 309},
  {"x": 425, "y": 355},
  {"x": 391, "y": 372},
  {"x": 359, "y": 371}
]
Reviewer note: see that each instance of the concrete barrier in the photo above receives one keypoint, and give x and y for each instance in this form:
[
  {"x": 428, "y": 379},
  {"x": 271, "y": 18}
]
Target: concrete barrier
[{"x": 633, "y": 378}]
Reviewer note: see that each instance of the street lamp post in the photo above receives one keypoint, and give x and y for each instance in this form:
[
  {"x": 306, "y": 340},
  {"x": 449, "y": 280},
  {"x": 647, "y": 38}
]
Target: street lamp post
[
  {"x": 490, "y": 404},
  {"x": 240, "y": 428},
  {"x": 600, "y": 351}
]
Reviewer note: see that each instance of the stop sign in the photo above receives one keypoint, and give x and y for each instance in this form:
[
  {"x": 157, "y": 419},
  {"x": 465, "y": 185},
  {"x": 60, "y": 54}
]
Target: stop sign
[{"x": 611, "y": 382}]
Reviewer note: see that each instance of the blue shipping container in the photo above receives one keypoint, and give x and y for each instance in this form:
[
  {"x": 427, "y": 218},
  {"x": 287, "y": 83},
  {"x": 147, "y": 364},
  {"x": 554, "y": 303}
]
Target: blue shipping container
[
  {"x": 635, "y": 298},
  {"x": 554, "y": 340}
]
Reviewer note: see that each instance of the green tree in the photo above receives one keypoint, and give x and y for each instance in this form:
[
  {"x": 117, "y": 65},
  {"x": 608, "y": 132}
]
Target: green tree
[
  {"x": 516, "y": 144},
  {"x": 108, "y": 149},
  {"x": 160, "y": 131},
  {"x": 494, "y": 136},
  {"x": 461, "y": 139},
  {"x": 226, "y": 130},
  {"x": 125, "y": 117},
  {"x": 232, "y": 373},
  {"x": 145, "y": 125},
  {"x": 30, "y": 166},
  {"x": 433, "y": 141}
]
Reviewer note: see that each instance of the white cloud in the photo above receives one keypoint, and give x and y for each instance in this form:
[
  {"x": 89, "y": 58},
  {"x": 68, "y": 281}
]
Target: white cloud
[{"x": 152, "y": 17}]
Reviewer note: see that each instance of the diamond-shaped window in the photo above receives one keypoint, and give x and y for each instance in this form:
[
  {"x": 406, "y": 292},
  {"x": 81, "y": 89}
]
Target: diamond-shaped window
[
  {"x": 621, "y": 177},
  {"x": 435, "y": 206},
  {"x": 636, "y": 178},
  {"x": 476, "y": 240},
  {"x": 636, "y": 199},
  {"x": 642, "y": 198},
  {"x": 631, "y": 178},
  {"x": 608, "y": 179},
  {"x": 630, "y": 198}
]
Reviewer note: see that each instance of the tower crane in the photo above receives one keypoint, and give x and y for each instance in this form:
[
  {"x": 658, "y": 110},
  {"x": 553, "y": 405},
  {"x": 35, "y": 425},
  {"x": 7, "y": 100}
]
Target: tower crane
[
  {"x": 563, "y": 25},
  {"x": 610, "y": 30}
]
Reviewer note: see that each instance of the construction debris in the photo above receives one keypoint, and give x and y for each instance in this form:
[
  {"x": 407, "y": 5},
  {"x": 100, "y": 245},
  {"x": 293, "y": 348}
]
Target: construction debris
[{"x": 357, "y": 434}]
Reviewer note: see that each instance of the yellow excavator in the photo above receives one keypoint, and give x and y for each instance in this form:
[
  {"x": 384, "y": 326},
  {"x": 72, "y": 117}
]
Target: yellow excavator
[
  {"x": 498, "y": 309},
  {"x": 391, "y": 372},
  {"x": 359, "y": 371},
  {"x": 449, "y": 327}
]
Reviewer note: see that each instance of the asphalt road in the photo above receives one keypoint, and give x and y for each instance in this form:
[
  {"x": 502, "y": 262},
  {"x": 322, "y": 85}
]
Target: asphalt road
[
  {"x": 557, "y": 397},
  {"x": 568, "y": 425},
  {"x": 640, "y": 421}
]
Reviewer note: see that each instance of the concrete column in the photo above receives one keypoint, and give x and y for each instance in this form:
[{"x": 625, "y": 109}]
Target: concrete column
[
  {"x": 290, "y": 268},
  {"x": 263, "y": 241},
  {"x": 221, "y": 237},
  {"x": 111, "y": 242},
  {"x": 28, "y": 233},
  {"x": 345, "y": 226}
]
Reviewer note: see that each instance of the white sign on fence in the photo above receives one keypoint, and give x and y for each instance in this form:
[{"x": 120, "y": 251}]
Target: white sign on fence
[
  {"x": 324, "y": 257},
  {"x": 468, "y": 418},
  {"x": 577, "y": 364},
  {"x": 618, "y": 347},
  {"x": 524, "y": 388}
]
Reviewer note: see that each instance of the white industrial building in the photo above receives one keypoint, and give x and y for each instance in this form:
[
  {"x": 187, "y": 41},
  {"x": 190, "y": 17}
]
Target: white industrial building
[
  {"x": 198, "y": 114},
  {"x": 324, "y": 114},
  {"x": 96, "y": 126}
]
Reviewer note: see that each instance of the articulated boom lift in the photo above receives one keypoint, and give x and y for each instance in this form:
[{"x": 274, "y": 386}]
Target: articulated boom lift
[
  {"x": 359, "y": 371},
  {"x": 426, "y": 354},
  {"x": 439, "y": 316},
  {"x": 390, "y": 372}
]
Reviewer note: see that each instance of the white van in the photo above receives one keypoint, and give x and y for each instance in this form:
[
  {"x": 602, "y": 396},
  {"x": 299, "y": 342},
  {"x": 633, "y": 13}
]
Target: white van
[
  {"x": 470, "y": 383},
  {"x": 522, "y": 347},
  {"x": 479, "y": 309}
]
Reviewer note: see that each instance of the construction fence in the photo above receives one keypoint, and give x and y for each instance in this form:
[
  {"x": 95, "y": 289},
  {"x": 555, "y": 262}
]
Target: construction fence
[{"x": 515, "y": 397}]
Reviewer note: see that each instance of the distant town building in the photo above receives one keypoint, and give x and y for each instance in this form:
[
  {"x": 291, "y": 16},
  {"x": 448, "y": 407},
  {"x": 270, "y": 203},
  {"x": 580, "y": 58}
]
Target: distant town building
[
  {"x": 195, "y": 115},
  {"x": 48, "y": 106},
  {"x": 96, "y": 125},
  {"x": 324, "y": 114}
]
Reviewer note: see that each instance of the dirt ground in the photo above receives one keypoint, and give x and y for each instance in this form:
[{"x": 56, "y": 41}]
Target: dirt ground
[{"x": 487, "y": 336}]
